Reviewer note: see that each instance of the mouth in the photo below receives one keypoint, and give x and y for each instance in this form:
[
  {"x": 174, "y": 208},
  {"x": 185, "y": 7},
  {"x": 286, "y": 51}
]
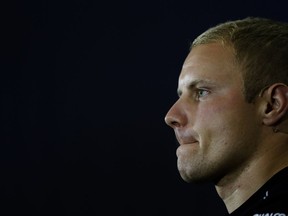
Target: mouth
[
  {"x": 186, "y": 140},
  {"x": 187, "y": 143},
  {"x": 187, "y": 148}
]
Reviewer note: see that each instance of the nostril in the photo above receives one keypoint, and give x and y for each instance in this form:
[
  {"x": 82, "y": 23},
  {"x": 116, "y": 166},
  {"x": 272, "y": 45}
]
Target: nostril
[
  {"x": 171, "y": 122},
  {"x": 174, "y": 124}
]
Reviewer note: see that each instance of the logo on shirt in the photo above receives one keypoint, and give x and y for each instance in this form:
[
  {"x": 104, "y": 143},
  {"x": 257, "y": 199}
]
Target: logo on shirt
[{"x": 270, "y": 214}]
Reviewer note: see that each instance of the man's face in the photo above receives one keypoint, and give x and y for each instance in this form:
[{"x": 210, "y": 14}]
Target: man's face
[{"x": 216, "y": 128}]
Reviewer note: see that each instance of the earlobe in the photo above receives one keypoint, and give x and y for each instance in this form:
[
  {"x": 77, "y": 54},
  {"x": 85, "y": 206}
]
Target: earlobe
[{"x": 276, "y": 98}]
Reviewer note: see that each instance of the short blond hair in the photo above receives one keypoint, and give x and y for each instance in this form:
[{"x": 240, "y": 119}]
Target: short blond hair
[{"x": 261, "y": 50}]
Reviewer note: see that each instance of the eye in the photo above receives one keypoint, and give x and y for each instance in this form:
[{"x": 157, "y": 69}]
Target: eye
[{"x": 200, "y": 93}]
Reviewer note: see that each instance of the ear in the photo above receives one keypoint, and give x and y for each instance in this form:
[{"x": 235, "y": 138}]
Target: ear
[{"x": 276, "y": 98}]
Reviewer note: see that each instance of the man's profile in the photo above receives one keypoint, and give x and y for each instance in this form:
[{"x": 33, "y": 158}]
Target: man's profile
[{"x": 231, "y": 115}]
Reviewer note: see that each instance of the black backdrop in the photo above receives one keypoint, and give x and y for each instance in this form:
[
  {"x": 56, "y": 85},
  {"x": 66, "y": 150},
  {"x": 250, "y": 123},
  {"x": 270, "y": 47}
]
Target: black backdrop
[{"x": 85, "y": 86}]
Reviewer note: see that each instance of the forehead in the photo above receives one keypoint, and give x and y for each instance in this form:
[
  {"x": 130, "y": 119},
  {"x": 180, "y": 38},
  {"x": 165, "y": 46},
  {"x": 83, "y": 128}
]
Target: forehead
[{"x": 209, "y": 62}]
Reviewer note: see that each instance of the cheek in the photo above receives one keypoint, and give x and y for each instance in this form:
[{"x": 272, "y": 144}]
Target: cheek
[
  {"x": 209, "y": 113},
  {"x": 222, "y": 116},
  {"x": 220, "y": 130}
]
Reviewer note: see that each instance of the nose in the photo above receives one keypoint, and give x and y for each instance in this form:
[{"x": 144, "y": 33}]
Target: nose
[{"x": 175, "y": 117}]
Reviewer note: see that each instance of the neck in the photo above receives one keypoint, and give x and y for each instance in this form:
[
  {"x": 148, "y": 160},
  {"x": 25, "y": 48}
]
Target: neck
[
  {"x": 235, "y": 190},
  {"x": 237, "y": 187}
]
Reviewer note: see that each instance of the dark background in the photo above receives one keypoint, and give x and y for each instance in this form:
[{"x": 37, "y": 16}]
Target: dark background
[{"x": 85, "y": 86}]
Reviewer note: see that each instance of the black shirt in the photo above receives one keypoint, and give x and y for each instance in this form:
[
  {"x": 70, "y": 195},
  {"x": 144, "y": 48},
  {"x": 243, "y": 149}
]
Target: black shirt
[{"x": 270, "y": 200}]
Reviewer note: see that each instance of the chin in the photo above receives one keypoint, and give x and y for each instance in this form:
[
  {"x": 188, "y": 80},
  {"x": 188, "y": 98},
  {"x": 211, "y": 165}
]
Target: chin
[
  {"x": 199, "y": 176},
  {"x": 194, "y": 178}
]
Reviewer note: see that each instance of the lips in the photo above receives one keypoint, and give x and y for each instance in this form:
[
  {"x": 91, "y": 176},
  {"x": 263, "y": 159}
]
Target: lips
[
  {"x": 181, "y": 142},
  {"x": 184, "y": 139}
]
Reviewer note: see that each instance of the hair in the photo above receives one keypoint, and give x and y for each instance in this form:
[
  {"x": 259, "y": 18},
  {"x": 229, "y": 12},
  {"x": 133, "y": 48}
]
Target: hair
[{"x": 260, "y": 46}]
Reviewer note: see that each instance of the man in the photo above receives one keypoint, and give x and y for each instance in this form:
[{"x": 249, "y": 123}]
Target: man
[{"x": 231, "y": 116}]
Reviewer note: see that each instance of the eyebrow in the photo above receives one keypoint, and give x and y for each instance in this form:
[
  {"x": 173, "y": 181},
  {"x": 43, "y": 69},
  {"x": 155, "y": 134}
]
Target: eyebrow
[{"x": 193, "y": 83}]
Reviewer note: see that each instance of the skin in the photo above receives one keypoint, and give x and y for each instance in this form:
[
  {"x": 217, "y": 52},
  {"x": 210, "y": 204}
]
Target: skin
[{"x": 223, "y": 138}]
